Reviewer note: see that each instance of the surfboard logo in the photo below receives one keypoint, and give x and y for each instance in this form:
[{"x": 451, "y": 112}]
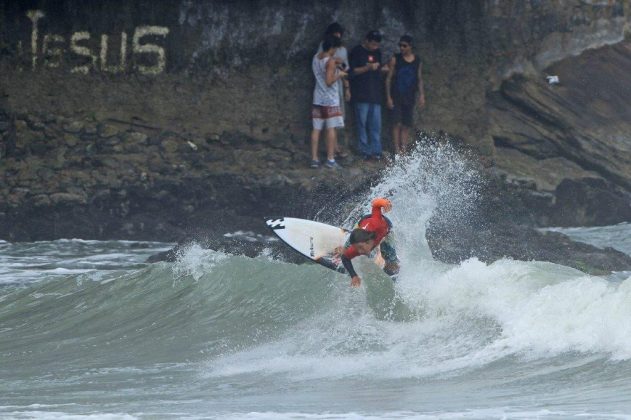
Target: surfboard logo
[
  {"x": 311, "y": 247},
  {"x": 276, "y": 224}
]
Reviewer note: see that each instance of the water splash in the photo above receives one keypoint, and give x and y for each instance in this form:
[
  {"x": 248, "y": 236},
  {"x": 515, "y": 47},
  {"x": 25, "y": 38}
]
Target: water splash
[
  {"x": 194, "y": 261},
  {"x": 435, "y": 176}
]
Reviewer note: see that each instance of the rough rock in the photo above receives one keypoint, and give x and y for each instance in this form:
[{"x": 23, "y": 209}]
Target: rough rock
[
  {"x": 110, "y": 148},
  {"x": 501, "y": 226},
  {"x": 492, "y": 242}
]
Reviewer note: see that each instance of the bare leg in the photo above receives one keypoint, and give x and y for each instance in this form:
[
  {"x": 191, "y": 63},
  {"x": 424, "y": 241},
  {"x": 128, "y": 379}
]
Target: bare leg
[
  {"x": 331, "y": 143},
  {"x": 315, "y": 137},
  {"x": 340, "y": 147},
  {"x": 405, "y": 138},
  {"x": 396, "y": 138}
]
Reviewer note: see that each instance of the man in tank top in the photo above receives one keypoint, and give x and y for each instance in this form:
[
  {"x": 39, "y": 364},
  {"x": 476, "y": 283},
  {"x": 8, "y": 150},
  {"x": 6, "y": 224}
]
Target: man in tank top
[
  {"x": 403, "y": 83},
  {"x": 325, "y": 111}
]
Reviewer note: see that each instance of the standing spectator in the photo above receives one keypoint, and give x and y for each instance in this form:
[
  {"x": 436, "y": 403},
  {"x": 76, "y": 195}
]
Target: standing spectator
[
  {"x": 367, "y": 93},
  {"x": 403, "y": 82},
  {"x": 341, "y": 58},
  {"x": 326, "y": 112}
]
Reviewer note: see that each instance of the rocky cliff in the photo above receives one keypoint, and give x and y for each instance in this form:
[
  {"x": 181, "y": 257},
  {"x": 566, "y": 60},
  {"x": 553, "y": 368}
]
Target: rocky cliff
[{"x": 148, "y": 119}]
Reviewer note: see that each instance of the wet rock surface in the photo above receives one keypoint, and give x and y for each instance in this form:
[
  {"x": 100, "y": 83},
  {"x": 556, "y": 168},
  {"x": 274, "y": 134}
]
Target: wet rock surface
[
  {"x": 207, "y": 130},
  {"x": 501, "y": 226}
]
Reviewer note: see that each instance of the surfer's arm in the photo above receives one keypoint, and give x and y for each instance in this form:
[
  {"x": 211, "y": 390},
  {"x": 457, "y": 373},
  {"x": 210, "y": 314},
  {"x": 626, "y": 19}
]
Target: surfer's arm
[
  {"x": 348, "y": 265},
  {"x": 346, "y": 258}
]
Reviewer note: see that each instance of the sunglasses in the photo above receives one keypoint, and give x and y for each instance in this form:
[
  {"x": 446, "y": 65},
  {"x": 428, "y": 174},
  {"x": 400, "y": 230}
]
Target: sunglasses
[{"x": 404, "y": 45}]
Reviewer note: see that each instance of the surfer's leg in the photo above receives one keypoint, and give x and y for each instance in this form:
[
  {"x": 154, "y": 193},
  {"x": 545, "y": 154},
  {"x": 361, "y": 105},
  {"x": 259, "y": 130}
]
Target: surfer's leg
[{"x": 389, "y": 254}]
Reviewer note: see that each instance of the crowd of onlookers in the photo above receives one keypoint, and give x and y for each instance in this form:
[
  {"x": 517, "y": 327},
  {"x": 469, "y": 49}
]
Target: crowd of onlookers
[{"x": 362, "y": 79}]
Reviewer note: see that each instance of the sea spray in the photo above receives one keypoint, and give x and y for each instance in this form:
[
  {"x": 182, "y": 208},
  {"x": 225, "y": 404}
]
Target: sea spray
[
  {"x": 434, "y": 174},
  {"x": 219, "y": 334},
  {"x": 194, "y": 261}
]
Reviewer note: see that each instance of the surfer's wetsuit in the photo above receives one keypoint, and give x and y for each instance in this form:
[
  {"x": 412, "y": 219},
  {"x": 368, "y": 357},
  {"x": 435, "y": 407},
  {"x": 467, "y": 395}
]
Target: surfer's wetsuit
[{"x": 379, "y": 224}]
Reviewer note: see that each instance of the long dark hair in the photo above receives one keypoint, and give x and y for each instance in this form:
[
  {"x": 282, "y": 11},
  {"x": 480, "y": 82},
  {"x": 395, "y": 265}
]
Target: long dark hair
[
  {"x": 331, "y": 41},
  {"x": 334, "y": 28}
]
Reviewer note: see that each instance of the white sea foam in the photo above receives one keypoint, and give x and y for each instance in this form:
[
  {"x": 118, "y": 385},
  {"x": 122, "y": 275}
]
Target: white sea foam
[
  {"x": 195, "y": 261},
  {"x": 474, "y": 314},
  {"x": 487, "y": 413},
  {"x": 510, "y": 339},
  {"x": 35, "y": 414},
  {"x": 468, "y": 315},
  {"x": 22, "y": 263},
  {"x": 537, "y": 315}
]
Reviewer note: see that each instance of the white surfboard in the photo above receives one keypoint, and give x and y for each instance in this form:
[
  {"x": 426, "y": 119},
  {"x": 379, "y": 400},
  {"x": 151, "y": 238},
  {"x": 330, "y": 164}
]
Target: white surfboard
[{"x": 316, "y": 241}]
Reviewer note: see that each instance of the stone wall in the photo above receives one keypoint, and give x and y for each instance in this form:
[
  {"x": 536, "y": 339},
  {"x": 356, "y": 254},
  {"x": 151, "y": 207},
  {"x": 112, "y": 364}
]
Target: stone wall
[
  {"x": 128, "y": 113},
  {"x": 215, "y": 66}
]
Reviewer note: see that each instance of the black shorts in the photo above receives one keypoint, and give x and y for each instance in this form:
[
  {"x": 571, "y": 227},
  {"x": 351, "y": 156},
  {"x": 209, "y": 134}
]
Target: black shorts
[{"x": 403, "y": 113}]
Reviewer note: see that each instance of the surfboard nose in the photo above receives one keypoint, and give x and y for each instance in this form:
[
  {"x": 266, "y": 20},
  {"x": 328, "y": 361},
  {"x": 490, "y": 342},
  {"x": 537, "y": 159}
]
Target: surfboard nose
[{"x": 275, "y": 224}]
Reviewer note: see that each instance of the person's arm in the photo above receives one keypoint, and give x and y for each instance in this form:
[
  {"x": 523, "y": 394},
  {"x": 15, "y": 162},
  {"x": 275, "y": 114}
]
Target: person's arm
[
  {"x": 358, "y": 66},
  {"x": 332, "y": 73},
  {"x": 346, "y": 83},
  {"x": 345, "y": 62},
  {"x": 346, "y": 256},
  {"x": 421, "y": 90},
  {"x": 385, "y": 68},
  {"x": 389, "y": 77},
  {"x": 348, "y": 265},
  {"x": 364, "y": 69}
]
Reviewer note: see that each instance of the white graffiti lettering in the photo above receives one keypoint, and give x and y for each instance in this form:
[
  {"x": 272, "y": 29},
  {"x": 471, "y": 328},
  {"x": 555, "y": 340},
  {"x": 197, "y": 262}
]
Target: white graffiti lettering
[
  {"x": 82, "y": 51},
  {"x": 54, "y": 46},
  {"x": 35, "y": 16},
  {"x": 139, "y": 48},
  {"x": 52, "y": 56},
  {"x": 123, "y": 54}
]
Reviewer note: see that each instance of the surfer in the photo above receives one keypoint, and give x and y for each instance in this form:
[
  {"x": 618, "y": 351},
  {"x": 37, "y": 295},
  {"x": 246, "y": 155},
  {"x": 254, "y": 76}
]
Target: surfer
[{"x": 371, "y": 231}]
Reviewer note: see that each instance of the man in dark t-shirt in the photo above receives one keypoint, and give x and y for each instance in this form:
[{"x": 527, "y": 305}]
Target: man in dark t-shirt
[{"x": 367, "y": 93}]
